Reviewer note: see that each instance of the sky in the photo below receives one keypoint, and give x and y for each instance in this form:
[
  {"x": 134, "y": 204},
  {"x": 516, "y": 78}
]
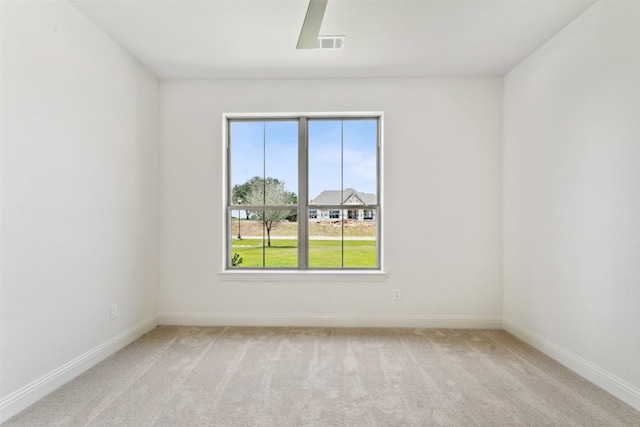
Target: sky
[{"x": 342, "y": 153}]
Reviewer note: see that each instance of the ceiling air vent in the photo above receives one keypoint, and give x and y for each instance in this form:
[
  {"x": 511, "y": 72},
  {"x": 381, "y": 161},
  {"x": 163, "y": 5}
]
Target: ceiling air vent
[{"x": 330, "y": 42}]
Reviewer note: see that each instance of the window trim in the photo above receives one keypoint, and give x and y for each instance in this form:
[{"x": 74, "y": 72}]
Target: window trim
[
  {"x": 301, "y": 273},
  {"x": 316, "y": 275}
]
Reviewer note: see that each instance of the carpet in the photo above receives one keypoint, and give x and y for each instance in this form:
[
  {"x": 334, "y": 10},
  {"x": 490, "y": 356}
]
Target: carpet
[{"x": 241, "y": 376}]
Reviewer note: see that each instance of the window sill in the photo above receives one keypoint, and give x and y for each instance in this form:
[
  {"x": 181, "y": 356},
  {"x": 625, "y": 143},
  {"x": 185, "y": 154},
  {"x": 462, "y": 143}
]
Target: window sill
[{"x": 302, "y": 276}]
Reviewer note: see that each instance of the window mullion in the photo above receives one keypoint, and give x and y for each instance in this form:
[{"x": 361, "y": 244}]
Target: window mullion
[
  {"x": 303, "y": 199},
  {"x": 342, "y": 186}
]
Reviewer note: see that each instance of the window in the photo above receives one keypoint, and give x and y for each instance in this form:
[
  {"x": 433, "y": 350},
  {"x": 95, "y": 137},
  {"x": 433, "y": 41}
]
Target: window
[{"x": 298, "y": 192}]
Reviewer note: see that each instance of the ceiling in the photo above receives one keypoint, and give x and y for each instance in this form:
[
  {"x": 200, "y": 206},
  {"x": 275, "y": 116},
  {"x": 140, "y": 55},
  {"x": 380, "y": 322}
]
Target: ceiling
[{"x": 222, "y": 39}]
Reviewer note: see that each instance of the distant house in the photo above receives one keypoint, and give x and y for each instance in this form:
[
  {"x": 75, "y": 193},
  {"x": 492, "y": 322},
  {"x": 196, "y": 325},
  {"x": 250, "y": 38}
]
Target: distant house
[{"x": 329, "y": 199}]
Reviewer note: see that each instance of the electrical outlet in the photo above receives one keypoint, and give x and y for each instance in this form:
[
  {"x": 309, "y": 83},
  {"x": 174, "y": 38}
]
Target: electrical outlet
[
  {"x": 114, "y": 311},
  {"x": 396, "y": 294}
]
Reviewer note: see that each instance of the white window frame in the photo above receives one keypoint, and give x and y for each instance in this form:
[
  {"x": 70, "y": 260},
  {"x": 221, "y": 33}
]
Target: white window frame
[{"x": 300, "y": 274}]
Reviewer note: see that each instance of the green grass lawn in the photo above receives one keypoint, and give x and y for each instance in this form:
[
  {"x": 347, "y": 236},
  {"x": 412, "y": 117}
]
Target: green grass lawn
[{"x": 322, "y": 253}]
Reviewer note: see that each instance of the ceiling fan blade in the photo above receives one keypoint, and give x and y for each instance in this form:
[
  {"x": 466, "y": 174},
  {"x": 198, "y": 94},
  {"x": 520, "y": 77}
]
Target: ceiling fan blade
[{"x": 311, "y": 24}]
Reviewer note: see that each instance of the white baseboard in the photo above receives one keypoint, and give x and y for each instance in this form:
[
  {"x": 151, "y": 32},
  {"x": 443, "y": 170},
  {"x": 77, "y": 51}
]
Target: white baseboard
[
  {"x": 330, "y": 320},
  {"x": 31, "y": 393},
  {"x": 603, "y": 379}
]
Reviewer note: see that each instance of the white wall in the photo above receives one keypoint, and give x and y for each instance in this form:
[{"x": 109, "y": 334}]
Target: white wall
[
  {"x": 442, "y": 213},
  {"x": 80, "y": 197},
  {"x": 572, "y": 197}
]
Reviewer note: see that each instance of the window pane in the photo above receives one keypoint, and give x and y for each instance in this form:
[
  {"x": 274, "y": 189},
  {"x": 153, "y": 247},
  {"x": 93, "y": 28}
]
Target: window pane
[
  {"x": 360, "y": 170},
  {"x": 360, "y": 241},
  {"x": 264, "y": 162},
  {"x": 247, "y": 157},
  {"x": 342, "y": 243},
  {"x": 325, "y": 161},
  {"x": 264, "y": 238},
  {"x": 281, "y": 163},
  {"x": 325, "y": 240},
  {"x": 280, "y": 238},
  {"x": 244, "y": 243}
]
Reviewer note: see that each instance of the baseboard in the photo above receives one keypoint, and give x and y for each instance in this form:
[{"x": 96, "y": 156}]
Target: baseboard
[
  {"x": 330, "y": 320},
  {"x": 31, "y": 393},
  {"x": 612, "y": 384}
]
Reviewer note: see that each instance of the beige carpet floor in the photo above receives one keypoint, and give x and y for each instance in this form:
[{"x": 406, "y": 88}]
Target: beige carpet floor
[{"x": 199, "y": 376}]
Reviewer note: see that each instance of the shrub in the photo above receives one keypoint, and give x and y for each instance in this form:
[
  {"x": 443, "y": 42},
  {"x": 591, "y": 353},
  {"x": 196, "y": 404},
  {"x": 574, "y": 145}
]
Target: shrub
[{"x": 236, "y": 260}]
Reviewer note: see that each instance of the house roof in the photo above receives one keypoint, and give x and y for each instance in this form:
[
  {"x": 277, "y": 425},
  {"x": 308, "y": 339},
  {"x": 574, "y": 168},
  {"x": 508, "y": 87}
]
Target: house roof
[{"x": 337, "y": 197}]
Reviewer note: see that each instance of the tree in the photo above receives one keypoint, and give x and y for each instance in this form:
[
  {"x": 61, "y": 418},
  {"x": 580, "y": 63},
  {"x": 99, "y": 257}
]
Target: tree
[{"x": 268, "y": 192}]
